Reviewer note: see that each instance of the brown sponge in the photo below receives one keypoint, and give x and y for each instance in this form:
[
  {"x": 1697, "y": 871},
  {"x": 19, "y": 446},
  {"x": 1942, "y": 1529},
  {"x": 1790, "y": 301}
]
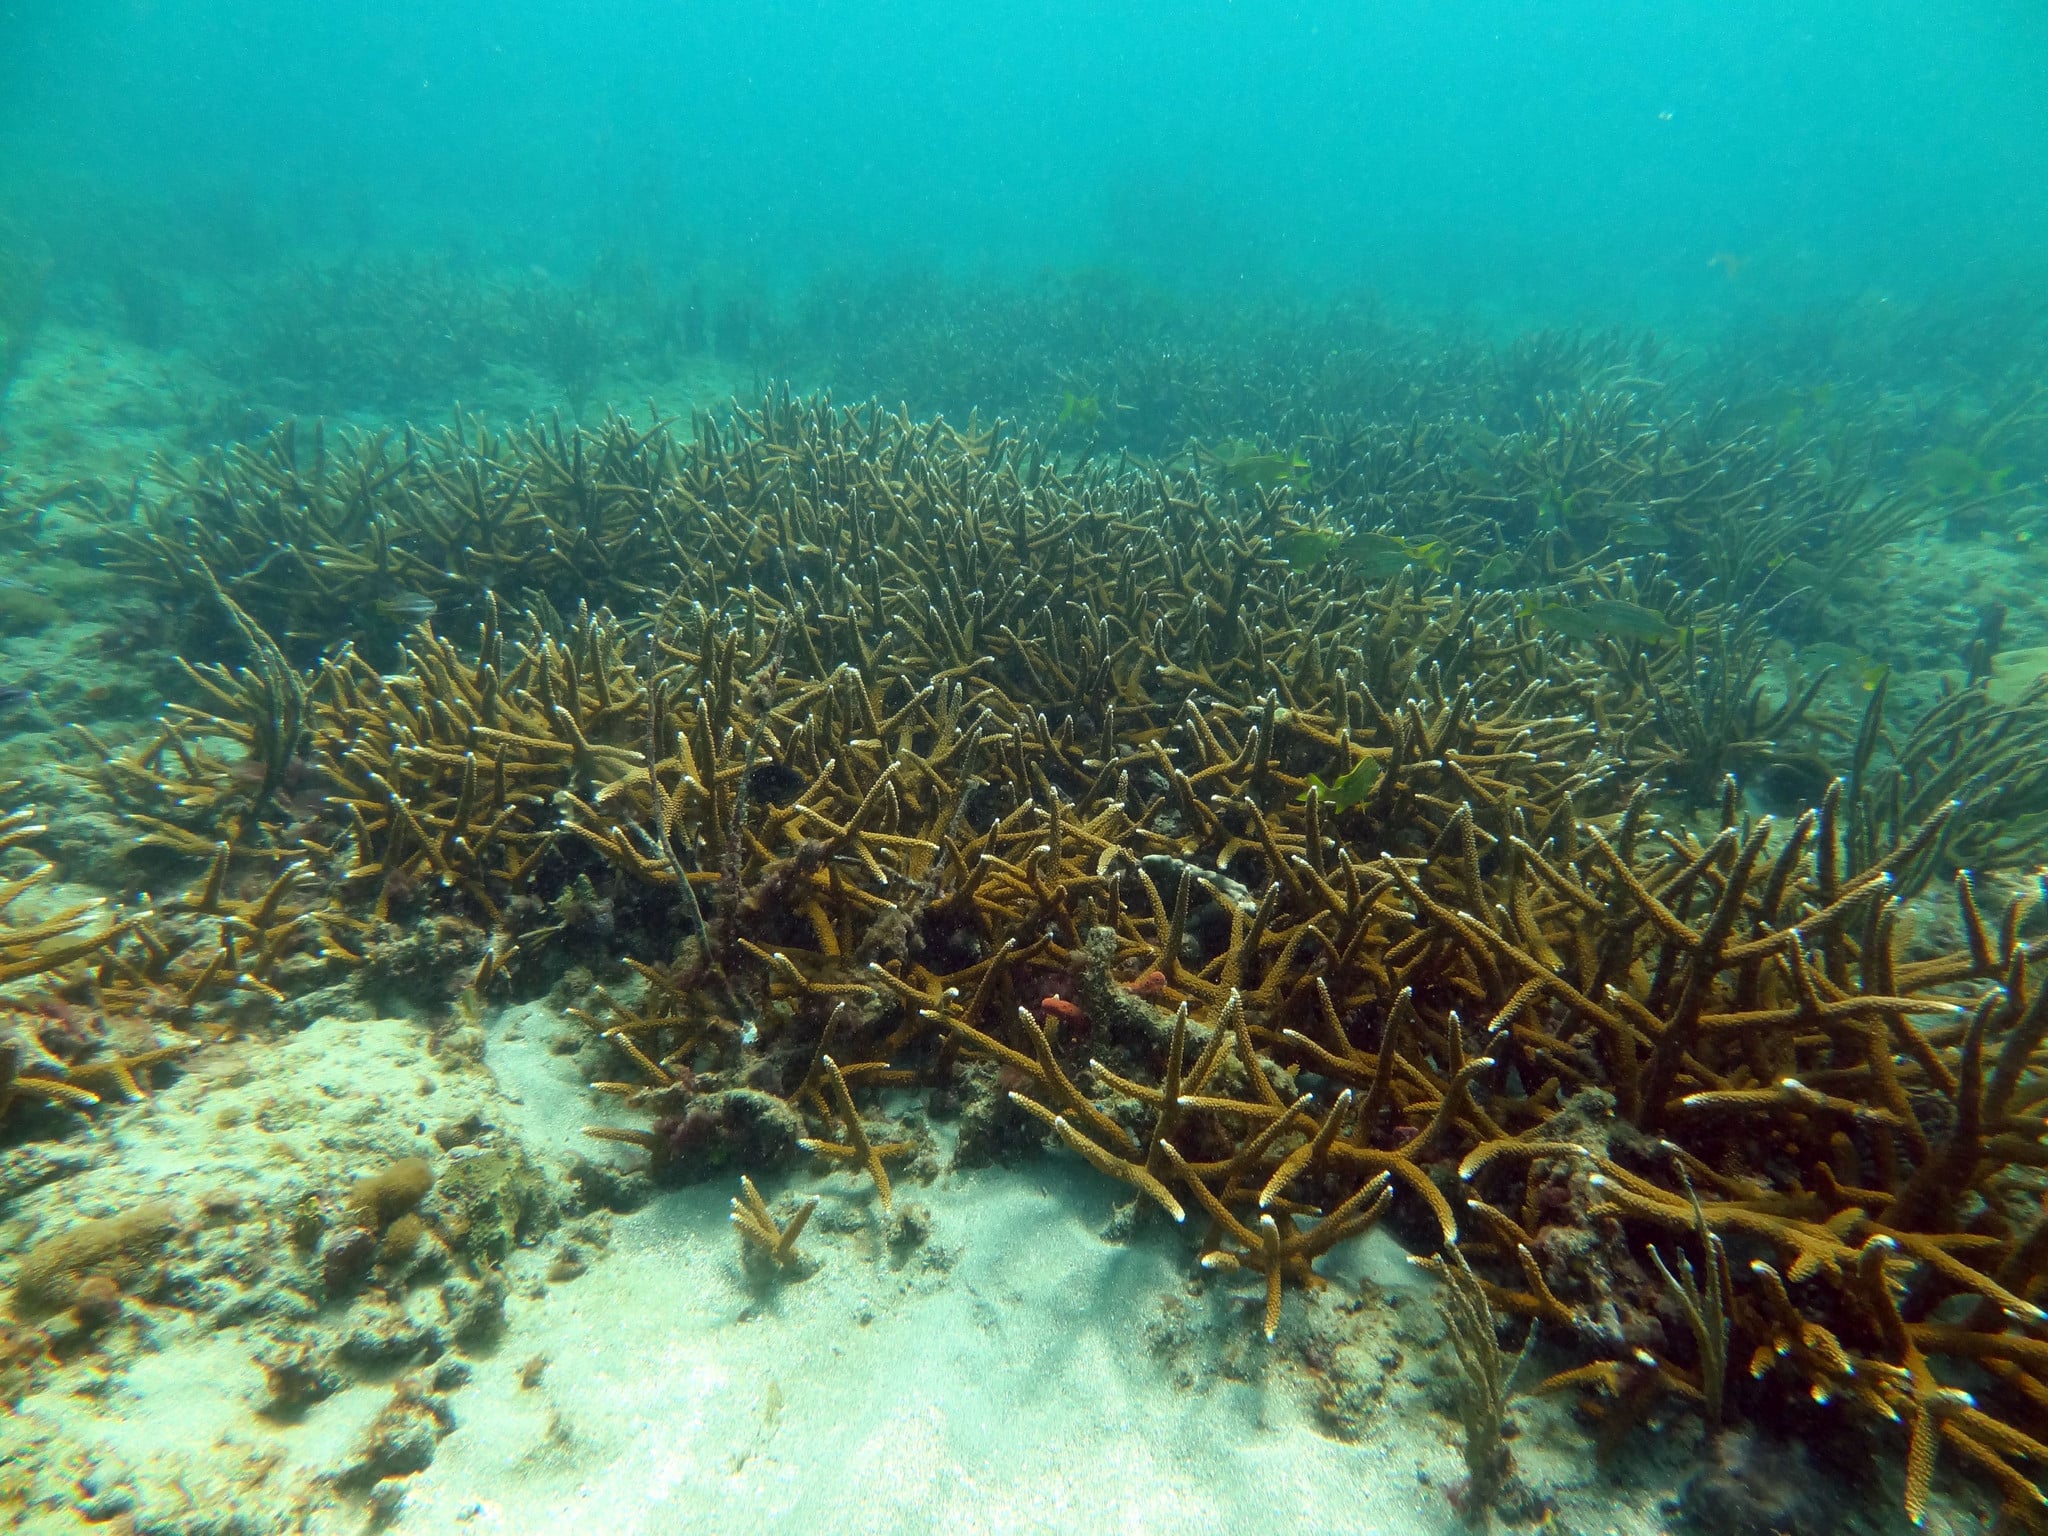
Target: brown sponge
[
  {"x": 121, "y": 1248},
  {"x": 382, "y": 1198}
]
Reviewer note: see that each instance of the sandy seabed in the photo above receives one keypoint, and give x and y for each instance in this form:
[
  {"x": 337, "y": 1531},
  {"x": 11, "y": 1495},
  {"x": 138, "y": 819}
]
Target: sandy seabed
[{"x": 985, "y": 1359}]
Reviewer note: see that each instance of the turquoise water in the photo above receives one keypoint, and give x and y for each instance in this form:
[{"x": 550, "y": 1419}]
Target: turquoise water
[{"x": 1583, "y": 161}]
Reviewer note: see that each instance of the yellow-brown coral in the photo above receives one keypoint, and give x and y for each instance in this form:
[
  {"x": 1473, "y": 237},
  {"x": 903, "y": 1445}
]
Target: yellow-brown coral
[{"x": 947, "y": 765}]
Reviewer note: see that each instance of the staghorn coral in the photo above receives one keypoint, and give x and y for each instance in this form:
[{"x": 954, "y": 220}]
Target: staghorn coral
[
  {"x": 48, "y": 943},
  {"x": 1291, "y": 899},
  {"x": 56, "y": 1047},
  {"x": 1992, "y": 755},
  {"x": 760, "y": 1234},
  {"x": 362, "y": 536}
]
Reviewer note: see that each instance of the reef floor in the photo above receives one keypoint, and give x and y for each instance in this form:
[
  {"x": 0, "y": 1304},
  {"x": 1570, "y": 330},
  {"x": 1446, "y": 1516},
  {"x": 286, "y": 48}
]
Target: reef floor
[{"x": 1007, "y": 1351}]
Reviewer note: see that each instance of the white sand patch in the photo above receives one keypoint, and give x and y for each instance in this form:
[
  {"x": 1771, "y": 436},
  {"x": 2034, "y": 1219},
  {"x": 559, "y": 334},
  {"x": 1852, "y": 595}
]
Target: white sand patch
[
  {"x": 1016, "y": 1391},
  {"x": 1017, "y": 1374}
]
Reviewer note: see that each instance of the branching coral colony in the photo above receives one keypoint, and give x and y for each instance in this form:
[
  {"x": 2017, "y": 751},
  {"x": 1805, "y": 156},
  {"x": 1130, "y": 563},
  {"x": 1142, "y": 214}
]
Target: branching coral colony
[{"x": 1291, "y": 899}]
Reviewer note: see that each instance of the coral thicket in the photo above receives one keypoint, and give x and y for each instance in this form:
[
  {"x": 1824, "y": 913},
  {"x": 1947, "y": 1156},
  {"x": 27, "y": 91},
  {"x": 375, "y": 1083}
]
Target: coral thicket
[{"x": 1296, "y": 868}]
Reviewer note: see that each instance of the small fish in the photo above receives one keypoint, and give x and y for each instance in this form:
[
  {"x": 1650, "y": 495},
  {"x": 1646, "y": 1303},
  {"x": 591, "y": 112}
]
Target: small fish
[
  {"x": 1082, "y": 412},
  {"x": 1499, "y": 570},
  {"x": 406, "y": 608},
  {"x": 1554, "y": 510},
  {"x": 1243, "y": 466},
  {"x": 1829, "y": 653},
  {"x": 1731, "y": 265},
  {"x": 1474, "y": 444},
  {"x": 1637, "y": 533},
  {"x": 774, "y": 783},
  {"x": 1606, "y": 617},
  {"x": 1349, "y": 790},
  {"x": 1380, "y": 555},
  {"x": 1850, "y": 664},
  {"x": 1955, "y": 473},
  {"x": 1307, "y": 548}
]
